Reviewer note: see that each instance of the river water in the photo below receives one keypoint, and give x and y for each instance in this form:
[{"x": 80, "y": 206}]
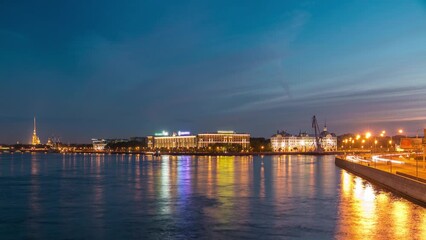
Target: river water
[{"x": 76, "y": 196}]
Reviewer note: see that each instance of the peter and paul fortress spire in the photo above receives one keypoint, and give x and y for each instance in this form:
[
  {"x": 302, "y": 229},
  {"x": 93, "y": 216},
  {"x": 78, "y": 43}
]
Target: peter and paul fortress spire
[{"x": 35, "y": 139}]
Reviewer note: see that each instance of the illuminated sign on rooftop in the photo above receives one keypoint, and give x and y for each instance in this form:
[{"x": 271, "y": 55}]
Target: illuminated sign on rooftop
[
  {"x": 183, "y": 133},
  {"x": 226, "y": 132},
  {"x": 163, "y": 133}
]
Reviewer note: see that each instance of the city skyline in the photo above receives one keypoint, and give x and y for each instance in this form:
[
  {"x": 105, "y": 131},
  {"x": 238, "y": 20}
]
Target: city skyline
[
  {"x": 35, "y": 140},
  {"x": 129, "y": 69}
]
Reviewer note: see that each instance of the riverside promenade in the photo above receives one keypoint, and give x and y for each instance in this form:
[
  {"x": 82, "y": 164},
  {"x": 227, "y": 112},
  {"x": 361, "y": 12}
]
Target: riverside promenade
[{"x": 404, "y": 177}]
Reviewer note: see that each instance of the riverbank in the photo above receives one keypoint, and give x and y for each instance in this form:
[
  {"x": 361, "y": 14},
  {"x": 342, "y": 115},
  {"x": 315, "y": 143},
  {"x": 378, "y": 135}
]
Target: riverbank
[
  {"x": 183, "y": 153},
  {"x": 252, "y": 153},
  {"x": 404, "y": 186}
]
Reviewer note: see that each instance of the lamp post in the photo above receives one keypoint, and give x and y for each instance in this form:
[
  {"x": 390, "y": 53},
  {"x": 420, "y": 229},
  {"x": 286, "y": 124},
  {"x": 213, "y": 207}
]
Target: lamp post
[
  {"x": 424, "y": 148},
  {"x": 417, "y": 132},
  {"x": 375, "y": 145}
]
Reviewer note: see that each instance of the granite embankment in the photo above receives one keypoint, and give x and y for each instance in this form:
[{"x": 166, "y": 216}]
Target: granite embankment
[{"x": 403, "y": 186}]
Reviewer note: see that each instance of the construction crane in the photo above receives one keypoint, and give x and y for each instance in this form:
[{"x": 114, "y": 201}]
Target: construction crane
[{"x": 318, "y": 147}]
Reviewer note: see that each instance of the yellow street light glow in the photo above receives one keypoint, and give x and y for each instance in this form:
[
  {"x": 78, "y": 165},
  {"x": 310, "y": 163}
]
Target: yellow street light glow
[
  {"x": 368, "y": 135},
  {"x": 400, "y": 131},
  {"x": 390, "y": 141},
  {"x": 383, "y": 132},
  {"x": 358, "y": 136},
  {"x": 363, "y": 140},
  {"x": 375, "y": 141}
]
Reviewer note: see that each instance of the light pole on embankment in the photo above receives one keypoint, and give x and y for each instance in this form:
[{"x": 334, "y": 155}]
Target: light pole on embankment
[{"x": 424, "y": 148}]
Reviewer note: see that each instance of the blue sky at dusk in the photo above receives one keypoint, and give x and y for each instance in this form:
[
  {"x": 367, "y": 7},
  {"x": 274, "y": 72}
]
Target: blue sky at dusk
[{"x": 130, "y": 68}]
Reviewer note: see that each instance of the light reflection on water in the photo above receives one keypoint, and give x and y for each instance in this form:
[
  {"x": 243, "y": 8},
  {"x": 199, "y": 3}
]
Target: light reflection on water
[
  {"x": 367, "y": 212},
  {"x": 46, "y": 196}
]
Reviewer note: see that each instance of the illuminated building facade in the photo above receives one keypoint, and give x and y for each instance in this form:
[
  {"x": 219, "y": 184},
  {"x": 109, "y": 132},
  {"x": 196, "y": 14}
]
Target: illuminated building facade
[
  {"x": 99, "y": 144},
  {"x": 284, "y": 142},
  {"x": 328, "y": 141},
  {"x": 35, "y": 139},
  {"x": 173, "y": 142},
  {"x": 150, "y": 142},
  {"x": 206, "y": 140},
  {"x": 184, "y": 140},
  {"x": 179, "y": 140},
  {"x": 410, "y": 144}
]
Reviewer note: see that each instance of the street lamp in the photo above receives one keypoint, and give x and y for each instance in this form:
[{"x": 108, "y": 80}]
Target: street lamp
[
  {"x": 368, "y": 135},
  {"x": 375, "y": 145}
]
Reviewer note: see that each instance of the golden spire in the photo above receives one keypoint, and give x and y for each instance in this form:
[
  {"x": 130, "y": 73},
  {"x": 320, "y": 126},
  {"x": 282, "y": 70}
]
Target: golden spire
[
  {"x": 35, "y": 132},
  {"x": 35, "y": 139}
]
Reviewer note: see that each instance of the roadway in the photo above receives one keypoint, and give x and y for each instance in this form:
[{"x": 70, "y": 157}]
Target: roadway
[{"x": 392, "y": 164}]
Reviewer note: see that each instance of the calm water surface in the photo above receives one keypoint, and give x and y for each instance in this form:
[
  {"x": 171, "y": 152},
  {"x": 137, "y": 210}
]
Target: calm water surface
[{"x": 48, "y": 196}]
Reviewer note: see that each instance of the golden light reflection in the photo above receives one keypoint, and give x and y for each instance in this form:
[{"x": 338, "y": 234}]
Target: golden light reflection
[
  {"x": 423, "y": 224},
  {"x": 35, "y": 186},
  {"x": 225, "y": 176},
  {"x": 221, "y": 180},
  {"x": 165, "y": 185},
  {"x": 35, "y": 164},
  {"x": 346, "y": 183},
  {"x": 366, "y": 213},
  {"x": 138, "y": 180},
  {"x": 312, "y": 177},
  {"x": 243, "y": 174},
  {"x": 382, "y": 199},
  {"x": 400, "y": 217},
  {"x": 358, "y": 188},
  {"x": 280, "y": 174}
]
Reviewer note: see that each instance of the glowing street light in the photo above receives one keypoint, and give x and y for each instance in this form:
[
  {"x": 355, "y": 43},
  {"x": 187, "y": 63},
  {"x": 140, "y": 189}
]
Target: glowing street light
[
  {"x": 375, "y": 144},
  {"x": 400, "y": 131},
  {"x": 368, "y": 135}
]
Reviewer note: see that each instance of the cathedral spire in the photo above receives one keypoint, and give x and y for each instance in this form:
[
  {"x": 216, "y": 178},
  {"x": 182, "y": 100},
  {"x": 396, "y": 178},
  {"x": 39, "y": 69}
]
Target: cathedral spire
[
  {"x": 35, "y": 139},
  {"x": 35, "y": 128}
]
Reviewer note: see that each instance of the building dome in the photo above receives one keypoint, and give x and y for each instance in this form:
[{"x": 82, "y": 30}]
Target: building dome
[{"x": 325, "y": 133}]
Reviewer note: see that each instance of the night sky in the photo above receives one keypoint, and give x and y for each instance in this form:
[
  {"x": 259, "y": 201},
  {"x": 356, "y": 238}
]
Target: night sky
[{"x": 116, "y": 69}]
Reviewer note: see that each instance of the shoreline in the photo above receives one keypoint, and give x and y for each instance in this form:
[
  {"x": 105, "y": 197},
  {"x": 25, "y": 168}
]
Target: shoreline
[
  {"x": 177, "y": 153},
  {"x": 408, "y": 188}
]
